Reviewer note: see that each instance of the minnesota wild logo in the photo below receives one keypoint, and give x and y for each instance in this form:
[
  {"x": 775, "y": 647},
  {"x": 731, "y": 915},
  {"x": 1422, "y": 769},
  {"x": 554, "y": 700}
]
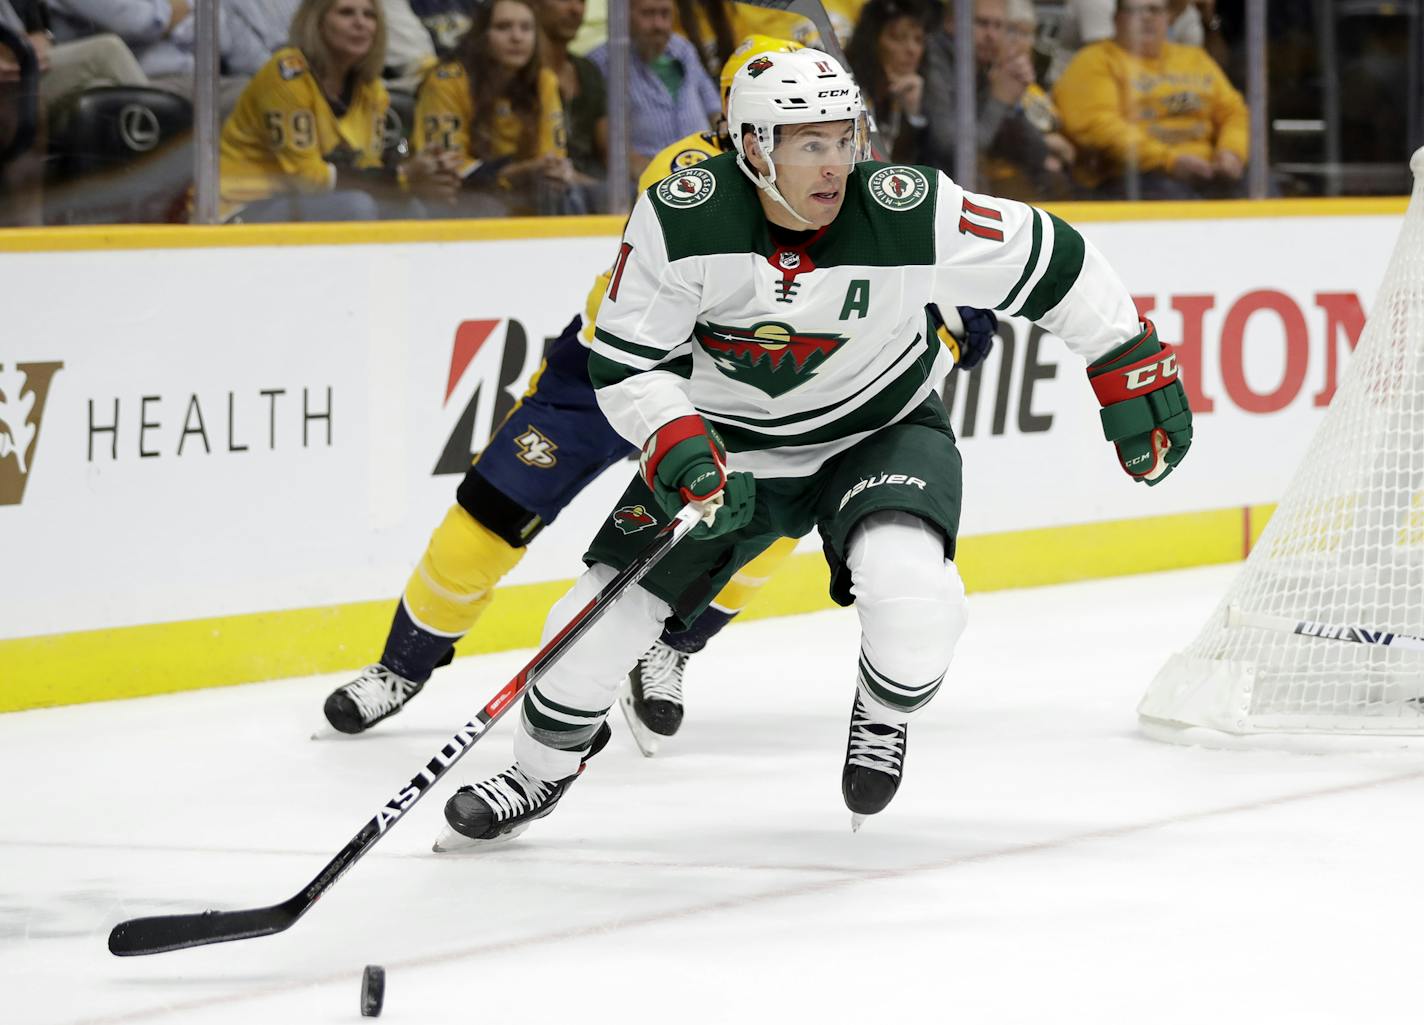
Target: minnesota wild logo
[
  {"x": 770, "y": 356},
  {"x": 632, "y": 518},
  {"x": 688, "y": 187},
  {"x": 898, "y": 187},
  {"x": 757, "y": 65}
]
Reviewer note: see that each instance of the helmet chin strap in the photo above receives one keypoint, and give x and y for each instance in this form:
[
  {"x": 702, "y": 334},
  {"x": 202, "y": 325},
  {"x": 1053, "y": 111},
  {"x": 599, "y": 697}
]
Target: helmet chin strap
[{"x": 766, "y": 184}]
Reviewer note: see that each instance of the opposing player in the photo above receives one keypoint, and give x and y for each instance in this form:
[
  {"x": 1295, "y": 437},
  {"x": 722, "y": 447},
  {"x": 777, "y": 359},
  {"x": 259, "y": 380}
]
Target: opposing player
[
  {"x": 515, "y": 489},
  {"x": 764, "y": 342}
]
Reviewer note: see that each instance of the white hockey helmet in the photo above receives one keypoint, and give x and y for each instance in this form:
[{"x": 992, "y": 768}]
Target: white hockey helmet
[{"x": 803, "y": 87}]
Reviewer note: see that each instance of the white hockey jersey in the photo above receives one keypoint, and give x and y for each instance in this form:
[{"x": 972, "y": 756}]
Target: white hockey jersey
[{"x": 795, "y": 353}]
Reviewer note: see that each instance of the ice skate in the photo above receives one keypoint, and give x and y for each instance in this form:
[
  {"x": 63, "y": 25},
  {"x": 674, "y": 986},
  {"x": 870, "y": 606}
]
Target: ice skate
[
  {"x": 874, "y": 765},
  {"x": 651, "y": 697},
  {"x": 376, "y": 694},
  {"x": 503, "y": 806}
]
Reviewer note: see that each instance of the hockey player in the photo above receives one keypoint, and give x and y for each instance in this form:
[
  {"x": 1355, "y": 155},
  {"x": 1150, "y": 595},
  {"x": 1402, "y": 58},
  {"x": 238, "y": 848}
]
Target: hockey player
[
  {"x": 512, "y": 492},
  {"x": 764, "y": 342}
]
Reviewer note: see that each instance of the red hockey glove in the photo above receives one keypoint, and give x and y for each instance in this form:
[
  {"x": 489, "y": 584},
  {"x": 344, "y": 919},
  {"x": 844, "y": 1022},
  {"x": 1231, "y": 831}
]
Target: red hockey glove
[
  {"x": 1145, "y": 412},
  {"x": 684, "y": 461}
]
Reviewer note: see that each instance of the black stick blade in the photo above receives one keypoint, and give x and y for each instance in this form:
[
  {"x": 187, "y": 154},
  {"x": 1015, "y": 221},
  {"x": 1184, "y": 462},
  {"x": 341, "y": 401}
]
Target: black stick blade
[{"x": 174, "y": 932}]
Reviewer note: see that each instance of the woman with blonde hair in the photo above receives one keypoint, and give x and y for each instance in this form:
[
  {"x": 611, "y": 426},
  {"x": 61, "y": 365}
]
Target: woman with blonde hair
[
  {"x": 497, "y": 110},
  {"x": 306, "y": 139}
]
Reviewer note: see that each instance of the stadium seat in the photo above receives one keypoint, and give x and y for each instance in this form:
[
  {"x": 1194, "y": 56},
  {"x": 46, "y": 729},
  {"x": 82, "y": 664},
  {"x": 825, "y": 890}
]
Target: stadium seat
[{"x": 119, "y": 154}]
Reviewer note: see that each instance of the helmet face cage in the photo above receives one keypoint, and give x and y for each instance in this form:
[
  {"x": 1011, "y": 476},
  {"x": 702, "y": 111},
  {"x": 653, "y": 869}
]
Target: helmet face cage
[
  {"x": 829, "y": 143},
  {"x": 776, "y": 91}
]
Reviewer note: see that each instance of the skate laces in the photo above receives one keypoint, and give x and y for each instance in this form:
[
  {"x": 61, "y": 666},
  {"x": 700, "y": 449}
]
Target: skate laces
[
  {"x": 378, "y": 691},
  {"x": 511, "y": 792},
  {"x": 874, "y": 745},
  {"x": 661, "y": 671}
]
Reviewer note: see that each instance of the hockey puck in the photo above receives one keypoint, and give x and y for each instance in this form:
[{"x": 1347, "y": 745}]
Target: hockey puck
[{"x": 373, "y": 990}]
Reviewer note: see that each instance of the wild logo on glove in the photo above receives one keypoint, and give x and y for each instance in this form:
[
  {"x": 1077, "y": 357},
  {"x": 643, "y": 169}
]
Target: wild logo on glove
[{"x": 632, "y": 518}]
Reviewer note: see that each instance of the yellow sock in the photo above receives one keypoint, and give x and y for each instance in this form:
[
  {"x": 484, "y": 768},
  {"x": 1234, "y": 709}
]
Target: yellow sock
[{"x": 455, "y": 579}]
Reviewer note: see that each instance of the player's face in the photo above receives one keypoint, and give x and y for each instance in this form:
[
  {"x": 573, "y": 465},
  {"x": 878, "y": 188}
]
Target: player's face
[
  {"x": 349, "y": 29},
  {"x": 511, "y": 34},
  {"x": 900, "y": 46},
  {"x": 813, "y": 163}
]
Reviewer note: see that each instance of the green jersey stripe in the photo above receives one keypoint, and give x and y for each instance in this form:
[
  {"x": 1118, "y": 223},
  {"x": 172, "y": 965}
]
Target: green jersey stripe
[
  {"x": 631, "y": 348},
  {"x": 812, "y": 414},
  {"x": 1062, "y": 273},
  {"x": 1029, "y": 264},
  {"x": 874, "y": 414}
]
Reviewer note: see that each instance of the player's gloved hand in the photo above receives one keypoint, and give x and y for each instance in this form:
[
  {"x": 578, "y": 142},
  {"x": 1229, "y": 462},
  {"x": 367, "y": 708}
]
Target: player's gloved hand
[
  {"x": 968, "y": 333},
  {"x": 1145, "y": 412},
  {"x": 684, "y": 461}
]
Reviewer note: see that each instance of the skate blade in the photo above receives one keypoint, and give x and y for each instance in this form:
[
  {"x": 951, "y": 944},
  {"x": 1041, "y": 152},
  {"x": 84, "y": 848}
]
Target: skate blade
[
  {"x": 856, "y": 821},
  {"x": 451, "y": 842},
  {"x": 648, "y": 742}
]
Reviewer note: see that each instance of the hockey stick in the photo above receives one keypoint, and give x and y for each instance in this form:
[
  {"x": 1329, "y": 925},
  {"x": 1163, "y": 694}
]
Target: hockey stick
[
  {"x": 157, "y": 934},
  {"x": 1236, "y": 616}
]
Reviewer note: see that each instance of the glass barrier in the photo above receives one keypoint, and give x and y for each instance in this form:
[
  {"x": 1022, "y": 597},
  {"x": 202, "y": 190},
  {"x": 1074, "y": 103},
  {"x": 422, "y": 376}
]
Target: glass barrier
[{"x": 366, "y": 109}]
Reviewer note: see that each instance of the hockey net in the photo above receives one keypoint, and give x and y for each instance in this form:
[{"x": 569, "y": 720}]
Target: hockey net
[{"x": 1301, "y": 642}]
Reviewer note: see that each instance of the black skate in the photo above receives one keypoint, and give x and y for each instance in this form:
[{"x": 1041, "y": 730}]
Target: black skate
[
  {"x": 503, "y": 806},
  {"x": 651, "y": 697},
  {"x": 874, "y": 765},
  {"x": 376, "y": 694}
]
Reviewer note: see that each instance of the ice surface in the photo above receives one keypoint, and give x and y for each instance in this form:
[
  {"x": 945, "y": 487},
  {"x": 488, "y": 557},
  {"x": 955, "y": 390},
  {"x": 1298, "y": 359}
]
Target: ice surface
[{"x": 1042, "y": 863}]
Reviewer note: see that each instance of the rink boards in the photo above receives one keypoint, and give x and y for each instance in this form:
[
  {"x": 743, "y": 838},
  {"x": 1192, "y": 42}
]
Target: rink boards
[{"x": 236, "y": 441}]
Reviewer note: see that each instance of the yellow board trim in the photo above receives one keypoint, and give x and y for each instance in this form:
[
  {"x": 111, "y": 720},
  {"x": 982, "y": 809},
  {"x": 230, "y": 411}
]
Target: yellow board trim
[
  {"x": 101, "y": 665},
  {"x": 237, "y": 236}
]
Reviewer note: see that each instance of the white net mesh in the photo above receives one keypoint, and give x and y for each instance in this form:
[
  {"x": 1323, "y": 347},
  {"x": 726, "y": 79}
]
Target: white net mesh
[{"x": 1344, "y": 548}]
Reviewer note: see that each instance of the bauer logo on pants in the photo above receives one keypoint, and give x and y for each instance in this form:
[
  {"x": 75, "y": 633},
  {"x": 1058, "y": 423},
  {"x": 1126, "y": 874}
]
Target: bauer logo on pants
[
  {"x": 878, "y": 481},
  {"x": 632, "y": 518},
  {"x": 24, "y": 387}
]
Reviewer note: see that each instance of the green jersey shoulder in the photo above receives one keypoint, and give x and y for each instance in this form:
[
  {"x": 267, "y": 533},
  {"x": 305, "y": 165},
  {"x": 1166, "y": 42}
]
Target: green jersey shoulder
[{"x": 888, "y": 217}]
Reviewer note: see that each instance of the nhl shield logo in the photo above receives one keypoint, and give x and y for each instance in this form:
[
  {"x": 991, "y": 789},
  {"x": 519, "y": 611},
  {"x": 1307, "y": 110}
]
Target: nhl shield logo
[
  {"x": 898, "y": 187},
  {"x": 632, "y": 518},
  {"x": 690, "y": 187}
]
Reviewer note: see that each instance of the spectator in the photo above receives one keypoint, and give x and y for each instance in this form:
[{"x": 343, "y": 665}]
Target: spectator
[
  {"x": 266, "y": 23},
  {"x": 446, "y": 22},
  {"x": 885, "y": 57},
  {"x": 161, "y": 34},
  {"x": 68, "y": 68},
  {"x": 710, "y": 27},
  {"x": 1002, "y": 130},
  {"x": 305, "y": 142},
  {"x": 584, "y": 96},
  {"x": 21, "y": 125},
  {"x": 1043, "y": 172},
  {"x": 410, "y": 52},
  {"x": 670, "y": 93},
  {"x": 496, "y": 110},
  {"x": 1139, "y": 105},
  {"x": 1190, "y": 23}
]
